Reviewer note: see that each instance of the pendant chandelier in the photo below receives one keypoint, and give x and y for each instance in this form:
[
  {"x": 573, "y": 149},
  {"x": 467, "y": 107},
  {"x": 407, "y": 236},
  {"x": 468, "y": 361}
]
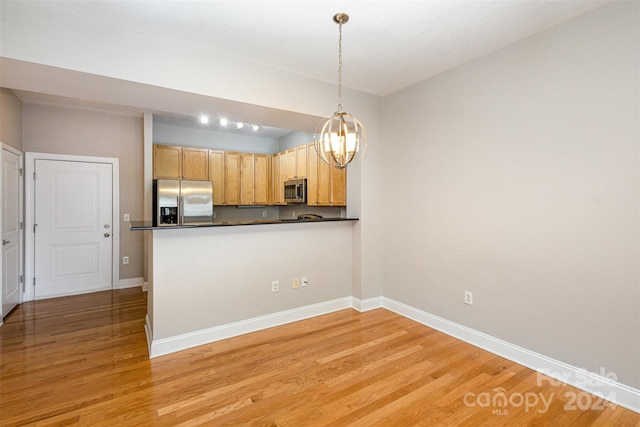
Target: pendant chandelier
[{"x": 340, "y": 138}]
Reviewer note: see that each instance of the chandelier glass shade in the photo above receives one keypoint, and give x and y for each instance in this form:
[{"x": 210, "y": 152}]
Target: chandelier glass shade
[{"x": 340, "y": 138}]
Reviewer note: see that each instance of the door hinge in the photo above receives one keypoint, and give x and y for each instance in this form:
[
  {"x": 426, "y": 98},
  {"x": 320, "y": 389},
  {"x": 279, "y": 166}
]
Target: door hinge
[
  {"x": 21, "y": 278},
  {"x": 34, "y": 176},
  {"x": 34, "y": 227},
  {"x": 34, "y": 281},
  {"x": 21, "y": 172},
  {"x": 21, "y": 225}
]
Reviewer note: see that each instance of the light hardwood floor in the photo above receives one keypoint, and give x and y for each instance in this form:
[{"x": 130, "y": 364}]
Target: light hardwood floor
[{"x": 83, "y": 360}]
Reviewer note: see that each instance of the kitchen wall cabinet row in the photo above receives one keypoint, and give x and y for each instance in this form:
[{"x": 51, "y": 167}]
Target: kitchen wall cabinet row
[
  {"x": 253, "y": 179},
  {"x": 240, "y": 178}
]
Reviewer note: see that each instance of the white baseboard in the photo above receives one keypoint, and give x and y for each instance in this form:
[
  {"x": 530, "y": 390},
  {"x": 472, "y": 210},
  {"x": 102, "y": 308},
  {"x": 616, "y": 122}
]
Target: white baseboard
[
  {"x": 181, "y": 342},
  {"x": 593, "y": 383},
  {"x": 367, "y": 304},
  {"x": 130, "y": 283}
]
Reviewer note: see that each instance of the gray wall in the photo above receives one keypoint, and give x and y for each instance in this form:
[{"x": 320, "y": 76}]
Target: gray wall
[
  {"x": 201, "y": 137},
  {"x": 59, "y": 130},
  {"x": 10, "y": 119},
  {"x": 518, "y": 178},
  {"x": 294, "y": 139},
  {"x": 169, "y": 134}
]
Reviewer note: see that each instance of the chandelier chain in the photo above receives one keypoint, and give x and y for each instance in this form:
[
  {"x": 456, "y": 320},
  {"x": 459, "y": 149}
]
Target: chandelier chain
[
  {"x": 340, "y": 138},
  {"x": 340, "y": 69}
]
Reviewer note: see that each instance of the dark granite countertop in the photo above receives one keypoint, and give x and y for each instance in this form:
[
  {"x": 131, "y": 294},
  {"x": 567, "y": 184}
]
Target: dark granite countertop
[{"x": 148, "y": 225}]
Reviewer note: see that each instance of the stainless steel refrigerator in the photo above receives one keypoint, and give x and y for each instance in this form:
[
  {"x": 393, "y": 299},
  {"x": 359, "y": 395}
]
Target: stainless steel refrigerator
[{"x": 180, "y": 202}]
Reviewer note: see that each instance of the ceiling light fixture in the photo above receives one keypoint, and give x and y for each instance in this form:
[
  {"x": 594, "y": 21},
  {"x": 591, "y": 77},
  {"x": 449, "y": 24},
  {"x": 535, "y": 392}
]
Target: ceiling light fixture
[
  {"x": 342, "y": 138},
  {"x": 255, "y": 128},
  {"x": 204, "y": 120},
  {"x": 239, "y": 125},
  {"x": 223, "y": 122}
]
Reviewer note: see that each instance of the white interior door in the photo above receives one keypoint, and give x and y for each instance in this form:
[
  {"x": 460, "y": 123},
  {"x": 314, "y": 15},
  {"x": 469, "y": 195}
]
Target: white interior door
[
  {"x": 73, "y": 231},
  {"x": 11, "y": 242}
]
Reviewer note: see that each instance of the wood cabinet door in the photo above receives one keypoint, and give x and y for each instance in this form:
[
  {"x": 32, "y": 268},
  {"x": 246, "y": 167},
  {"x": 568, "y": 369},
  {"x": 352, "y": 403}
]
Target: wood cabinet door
[
  {"x": 216, "y": 175},
  {"x": 277, "y": 185},
  {"x": 261, "y": 168},
  {"x": 247, "y": 179},
  {"x": 195, "y": 163},
  {"x": 312, "y": 176},
  {"x": 290, "y": 164},
  {"x": 231, "y": 178},
  {"x": 324, "y": 183},
  {"x": 338, "y": 187},
  {"x": 301, "y": 161},
  {"x": 167, "y": 162}
]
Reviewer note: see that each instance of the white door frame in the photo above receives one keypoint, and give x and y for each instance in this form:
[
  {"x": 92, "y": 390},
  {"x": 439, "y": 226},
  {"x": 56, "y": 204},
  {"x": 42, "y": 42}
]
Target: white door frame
[
  {"x": 30, "y": 165},
  {"x": 18, "y": 153}
]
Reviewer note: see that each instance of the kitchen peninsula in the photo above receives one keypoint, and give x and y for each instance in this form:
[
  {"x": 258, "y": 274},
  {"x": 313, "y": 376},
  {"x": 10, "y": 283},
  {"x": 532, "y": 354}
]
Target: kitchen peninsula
[{"x": 213, "y": 281}]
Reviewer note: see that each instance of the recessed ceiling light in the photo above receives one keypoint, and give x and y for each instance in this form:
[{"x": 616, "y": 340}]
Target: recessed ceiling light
[
  {"x": 240, "y": 125},
  {"x": 255, "y": 128},
  {"x": 204, "y": 120},
  {"x": 223, "y": 122}
]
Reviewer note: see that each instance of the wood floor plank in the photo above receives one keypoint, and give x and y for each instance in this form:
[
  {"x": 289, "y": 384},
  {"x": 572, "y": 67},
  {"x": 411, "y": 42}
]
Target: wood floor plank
[{"x": 83, "y": 360}]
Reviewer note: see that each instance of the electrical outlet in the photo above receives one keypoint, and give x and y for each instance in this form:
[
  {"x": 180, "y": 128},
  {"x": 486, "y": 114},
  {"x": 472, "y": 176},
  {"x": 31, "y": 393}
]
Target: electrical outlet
[
  {"x": 305, "y": 281},
  {"x": 125, "y": 217},
  {"x": 275, "y": 286},
  {"x": 293, "y": 214},
  {"x": 125, "y": 260},
  {"x": 468, "y": 297},
  {"x": 264, "y": 214},
  {"x": 296, "y": 283}
]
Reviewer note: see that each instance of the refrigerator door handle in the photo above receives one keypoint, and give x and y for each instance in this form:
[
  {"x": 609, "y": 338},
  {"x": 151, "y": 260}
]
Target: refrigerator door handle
[{"x": 181, "y": 210}]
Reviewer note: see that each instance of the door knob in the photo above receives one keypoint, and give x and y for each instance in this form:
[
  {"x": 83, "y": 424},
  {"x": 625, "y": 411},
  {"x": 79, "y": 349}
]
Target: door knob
[
  {"x": 5, "y": 242},
  {"x": 107, "y": 234}
]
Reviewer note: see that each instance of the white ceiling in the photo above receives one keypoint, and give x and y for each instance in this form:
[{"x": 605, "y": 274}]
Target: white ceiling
[{"x": 388, "y": 45}]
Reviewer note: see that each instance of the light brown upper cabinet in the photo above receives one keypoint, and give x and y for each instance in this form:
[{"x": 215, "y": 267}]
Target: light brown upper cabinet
[
  {"x": 171, "y": 162},
  {"x": 338, "y": 187},
  {"x": 294, "y": 163},
  {"x": 326, "y": 184},
  {"x": 247, "y": 179},
  {"x": 262, "y": 182},
  {"x": 195, "y": 163},
  {"x": 312, "y": 175},
  {"x": 289, "y": 164},
  {"x": 225, "y": 173},
  {"x": 301, "y": 161},
  {"x": 277, "y": 178},
  {"x": 231, "y": 178},
  {"x": 254, "y": 179},
  {"x": 216, "y": 174}
]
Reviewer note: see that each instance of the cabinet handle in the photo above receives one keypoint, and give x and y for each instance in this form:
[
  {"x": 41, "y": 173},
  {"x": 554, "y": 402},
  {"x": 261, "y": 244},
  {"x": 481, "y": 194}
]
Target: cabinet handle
[{"x": 5, "y": 242}]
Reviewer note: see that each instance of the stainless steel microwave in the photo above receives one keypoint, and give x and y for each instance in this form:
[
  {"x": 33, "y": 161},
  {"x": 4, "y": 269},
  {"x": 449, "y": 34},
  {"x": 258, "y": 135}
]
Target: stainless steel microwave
[{"x": 295, "y": 191}]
